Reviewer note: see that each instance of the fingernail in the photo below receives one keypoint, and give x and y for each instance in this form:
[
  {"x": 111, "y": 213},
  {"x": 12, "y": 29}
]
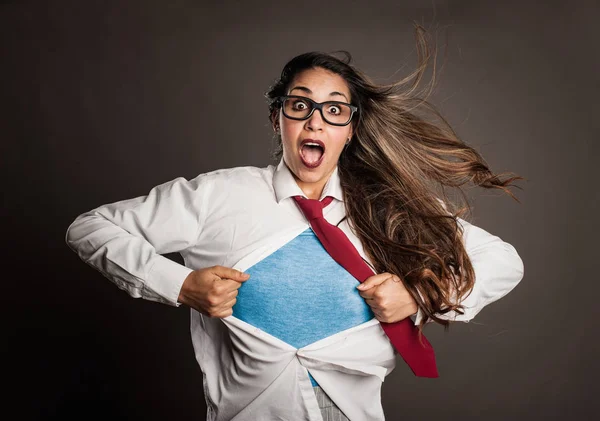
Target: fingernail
[{"x": 361, "y": 286}]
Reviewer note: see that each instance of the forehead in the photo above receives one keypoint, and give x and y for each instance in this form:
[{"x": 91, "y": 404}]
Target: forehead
[{"x": 321, "y": 82}]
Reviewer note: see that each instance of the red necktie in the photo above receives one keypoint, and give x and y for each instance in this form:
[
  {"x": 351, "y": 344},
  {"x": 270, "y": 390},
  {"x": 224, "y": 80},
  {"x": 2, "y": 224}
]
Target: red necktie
[{"x": 403, "y": 334}]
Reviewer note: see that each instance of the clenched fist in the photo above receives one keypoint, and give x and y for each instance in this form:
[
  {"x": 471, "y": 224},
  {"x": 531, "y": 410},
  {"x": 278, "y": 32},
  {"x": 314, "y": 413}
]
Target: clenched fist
[
  {"x": 388, "y": 298},
  {"x": 212, "y": 291}
]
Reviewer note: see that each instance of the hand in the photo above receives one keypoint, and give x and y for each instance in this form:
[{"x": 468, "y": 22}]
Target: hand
[
  {"x": 212, "y": 291},
  {"x": 388, "y": 298}
]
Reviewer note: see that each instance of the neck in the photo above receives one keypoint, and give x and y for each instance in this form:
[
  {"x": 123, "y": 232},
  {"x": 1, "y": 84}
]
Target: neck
[
  {"x": 315, "y": 189},
  {"x": 311, "y": 190}
]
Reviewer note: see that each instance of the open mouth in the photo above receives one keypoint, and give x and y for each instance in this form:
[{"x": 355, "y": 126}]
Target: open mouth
[{"x": 312, "y": 152}]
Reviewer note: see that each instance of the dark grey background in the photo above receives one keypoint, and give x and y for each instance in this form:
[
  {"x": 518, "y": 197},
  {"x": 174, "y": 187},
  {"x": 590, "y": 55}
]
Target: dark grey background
[{"x": 103, "y": 100}]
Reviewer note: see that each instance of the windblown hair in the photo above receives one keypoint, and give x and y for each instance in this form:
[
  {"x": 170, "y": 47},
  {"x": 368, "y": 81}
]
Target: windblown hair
[{"x": 394, "y": 174}]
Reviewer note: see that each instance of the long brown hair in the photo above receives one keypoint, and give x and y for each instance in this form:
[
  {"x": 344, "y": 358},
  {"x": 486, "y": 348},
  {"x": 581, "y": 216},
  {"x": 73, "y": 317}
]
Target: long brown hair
[{"x": 395, "y": 173}]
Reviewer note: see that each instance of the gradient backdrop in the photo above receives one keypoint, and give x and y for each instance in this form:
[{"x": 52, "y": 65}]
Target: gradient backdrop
[{"x": 102, "y": 100}]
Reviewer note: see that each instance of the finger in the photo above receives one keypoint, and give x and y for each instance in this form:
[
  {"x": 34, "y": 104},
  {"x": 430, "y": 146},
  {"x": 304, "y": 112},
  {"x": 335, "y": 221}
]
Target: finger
[
  {"x": 227, "y": 295},
  {"x": 377, "y": 315},
  {"x": 375, "y": 307},
  {"x": 367, "y": 295},
  {"x": 223, "y": 309},
  {"x": 227, "y": 306},
  {"x": 233, "y": 294},
  {"x": 223, "y": 313},
  {"x": 396, "y": 279},
  {"x": 229, "y": 303},
  {"x": 229, "y": 273},
  {"x": 373, "y": 281},
  {"x": 230, "y": 284}
]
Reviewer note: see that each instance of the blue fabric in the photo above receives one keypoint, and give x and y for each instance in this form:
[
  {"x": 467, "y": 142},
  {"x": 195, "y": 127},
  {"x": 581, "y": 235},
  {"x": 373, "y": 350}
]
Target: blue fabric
[{"x": 299, "y": 294}]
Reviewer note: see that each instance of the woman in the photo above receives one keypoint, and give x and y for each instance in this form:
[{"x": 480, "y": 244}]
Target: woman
[{"x": 295, "y": 337}]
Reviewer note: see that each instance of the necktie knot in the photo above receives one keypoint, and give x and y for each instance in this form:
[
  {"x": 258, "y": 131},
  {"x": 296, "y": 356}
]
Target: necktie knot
[{"x": 312, "y": 208}]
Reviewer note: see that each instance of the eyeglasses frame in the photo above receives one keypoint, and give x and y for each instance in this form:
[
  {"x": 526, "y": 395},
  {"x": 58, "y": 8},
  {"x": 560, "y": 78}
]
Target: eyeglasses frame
[{"x": 317, "y": 106}]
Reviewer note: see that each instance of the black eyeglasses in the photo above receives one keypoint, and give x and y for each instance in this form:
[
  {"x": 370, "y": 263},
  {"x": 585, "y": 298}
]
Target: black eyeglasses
[{"x": 335, "y": 113}]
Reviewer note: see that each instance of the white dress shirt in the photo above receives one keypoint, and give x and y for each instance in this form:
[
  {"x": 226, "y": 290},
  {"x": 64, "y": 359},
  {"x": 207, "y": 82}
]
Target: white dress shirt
[{"x": 236, "y": 217}]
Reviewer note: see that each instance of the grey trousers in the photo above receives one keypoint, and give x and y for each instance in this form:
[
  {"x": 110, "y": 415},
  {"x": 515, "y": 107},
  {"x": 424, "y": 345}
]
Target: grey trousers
[{"x": 329, "y": 410}]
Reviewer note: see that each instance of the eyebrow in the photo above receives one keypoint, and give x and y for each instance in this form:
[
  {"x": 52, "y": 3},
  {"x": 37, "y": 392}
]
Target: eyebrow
[{"x": 308, "y": 91}]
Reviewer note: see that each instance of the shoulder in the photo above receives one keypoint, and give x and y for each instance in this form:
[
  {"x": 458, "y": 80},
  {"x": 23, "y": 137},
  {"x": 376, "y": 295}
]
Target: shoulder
[
  {"x": 239, "y": 175},
  {"x": 247, "y": 179}
]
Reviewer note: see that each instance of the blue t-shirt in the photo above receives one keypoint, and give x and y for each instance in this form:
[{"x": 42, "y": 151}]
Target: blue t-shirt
[{"x": 300, "y": 295}]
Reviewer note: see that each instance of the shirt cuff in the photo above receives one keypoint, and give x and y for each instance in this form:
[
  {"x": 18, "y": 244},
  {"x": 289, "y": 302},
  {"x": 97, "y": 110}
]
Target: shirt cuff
[
  {"x": 417, "y": 317},
  {"x": 166, "y": 279}
]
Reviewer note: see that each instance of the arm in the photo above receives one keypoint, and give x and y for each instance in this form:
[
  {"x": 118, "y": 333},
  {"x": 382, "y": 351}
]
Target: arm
[
  {"x": 497, "y": 266},
  {"x": 124, "y": 240}
]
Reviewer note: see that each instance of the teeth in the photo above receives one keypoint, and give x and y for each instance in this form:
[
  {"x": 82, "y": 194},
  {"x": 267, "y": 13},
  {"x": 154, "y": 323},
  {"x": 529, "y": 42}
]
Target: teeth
[{"x": 312, "y": 144}]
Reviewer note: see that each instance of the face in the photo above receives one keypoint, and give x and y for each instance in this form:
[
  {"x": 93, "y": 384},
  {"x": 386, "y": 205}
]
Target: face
[{"x": 312, "y": 166}]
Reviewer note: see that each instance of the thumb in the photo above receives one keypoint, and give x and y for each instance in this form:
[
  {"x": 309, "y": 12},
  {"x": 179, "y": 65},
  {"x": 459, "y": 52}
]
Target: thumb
[
  {"x": 230, "y": 273},
  {"x": 373, "y": 281}
]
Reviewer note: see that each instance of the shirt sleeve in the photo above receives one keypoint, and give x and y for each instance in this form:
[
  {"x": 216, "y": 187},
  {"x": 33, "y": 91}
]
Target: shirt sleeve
[
  {"x": 498, "y": 269},
  {"x": 125, "y": 240}
]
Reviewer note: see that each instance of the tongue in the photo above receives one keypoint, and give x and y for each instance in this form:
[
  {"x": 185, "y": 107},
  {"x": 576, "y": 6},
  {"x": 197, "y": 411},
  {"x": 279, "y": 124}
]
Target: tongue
[{"x": 311, "y": 154}]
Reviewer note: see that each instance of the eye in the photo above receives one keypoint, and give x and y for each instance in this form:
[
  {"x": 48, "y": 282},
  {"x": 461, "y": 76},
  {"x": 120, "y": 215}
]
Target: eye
[
  {"x": 299, "y": 105},
  {"x": 334, "y": 109}
]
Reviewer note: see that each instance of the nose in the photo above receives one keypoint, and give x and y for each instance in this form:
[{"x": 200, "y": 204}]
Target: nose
[{"x": 315, "y": 122}]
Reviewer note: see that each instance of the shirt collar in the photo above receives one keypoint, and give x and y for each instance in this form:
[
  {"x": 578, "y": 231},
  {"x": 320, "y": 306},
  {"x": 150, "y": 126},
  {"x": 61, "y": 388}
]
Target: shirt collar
[{"x": 285, "y": 184}]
